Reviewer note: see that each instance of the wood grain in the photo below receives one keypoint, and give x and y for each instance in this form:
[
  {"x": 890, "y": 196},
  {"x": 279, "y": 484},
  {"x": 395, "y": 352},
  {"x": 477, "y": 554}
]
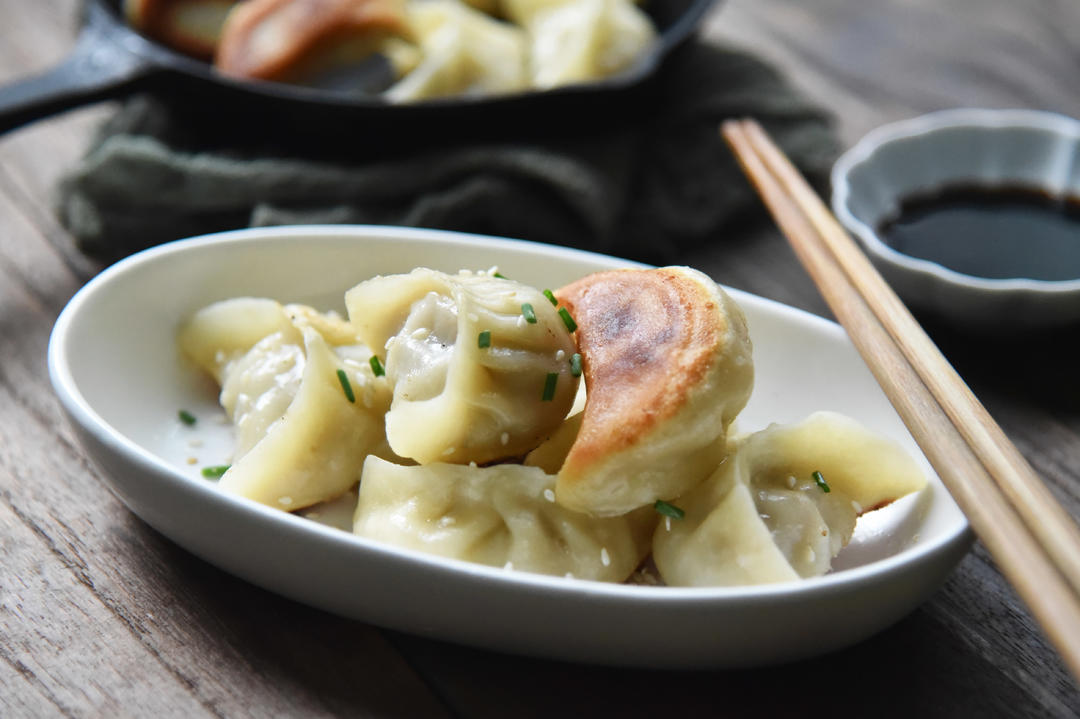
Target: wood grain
[{"x": 101, "y": 616}]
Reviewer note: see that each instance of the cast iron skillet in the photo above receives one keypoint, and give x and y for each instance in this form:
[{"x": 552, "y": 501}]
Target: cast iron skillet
[{"x": 111, "y": 60}]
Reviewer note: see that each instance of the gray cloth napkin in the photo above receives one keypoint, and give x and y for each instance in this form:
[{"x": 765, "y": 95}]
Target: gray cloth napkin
[{"x": 646, "y": 186}]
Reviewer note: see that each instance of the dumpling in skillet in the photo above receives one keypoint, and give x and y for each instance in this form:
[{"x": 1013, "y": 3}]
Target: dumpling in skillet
[
  {"x": 306, "y": 41},
  {"x": 580, "y": 40},
  {"x": 501, "y": 516},
  {"x": 479, "y": 365},
  {"x": 667, "y": 367},
  {"x": 763, "y": 517},
  {"x": 465, "y": 52}
]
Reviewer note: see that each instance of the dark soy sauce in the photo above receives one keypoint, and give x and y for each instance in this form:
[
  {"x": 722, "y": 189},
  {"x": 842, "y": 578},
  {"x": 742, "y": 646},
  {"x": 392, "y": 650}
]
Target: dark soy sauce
[{"x": 993, "y": 232}]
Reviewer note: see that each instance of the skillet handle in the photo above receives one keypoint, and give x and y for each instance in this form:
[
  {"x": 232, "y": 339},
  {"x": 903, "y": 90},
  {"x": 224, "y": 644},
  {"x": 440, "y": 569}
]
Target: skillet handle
[{"x": 102, "y": 65}]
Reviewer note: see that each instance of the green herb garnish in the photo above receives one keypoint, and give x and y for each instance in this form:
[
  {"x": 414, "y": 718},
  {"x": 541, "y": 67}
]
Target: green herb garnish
[
  {"x": 529, "y": 312},
  {"x": 551, "y": 298},
  {"x": 345, "y": 386},
  {"x": 549, "y": 386},
  {"x": 186, "y": 417},
  {"x": 567, "y": 319},
  {"x": 575, "y": 364},
  {"x": 668, "y": 510},
  {"x": 215, "y": 472},
  {"x": 376, "y": 366},
  {"x": 820, "y": 481},
  {"x": 500, "y": 275},
  {"x": 484, "y": 339}
]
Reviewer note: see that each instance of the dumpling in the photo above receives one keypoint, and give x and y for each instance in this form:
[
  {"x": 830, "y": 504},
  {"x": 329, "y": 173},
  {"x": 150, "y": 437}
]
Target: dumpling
[
  {"x": 220, "y": 333},
  {"x": 579, "y": 40},
  {"x": 465, "y": 52},
  {"x": 316, "y": 449},
  {"x": 667, "y": 366},
  {"x": 192, "y": 27},
  {"x": 301, "y": 437},
  {"x": 303, "y": 41},
  {"x": 783, "y": 505},
  {"x": 502, "y": 516},
  {"x": 474, "y": 378}
]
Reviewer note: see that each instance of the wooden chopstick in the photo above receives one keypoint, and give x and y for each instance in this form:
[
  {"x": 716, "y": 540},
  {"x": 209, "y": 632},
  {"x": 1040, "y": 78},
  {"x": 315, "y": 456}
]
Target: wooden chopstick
[{"x": 1032, "y": 538}]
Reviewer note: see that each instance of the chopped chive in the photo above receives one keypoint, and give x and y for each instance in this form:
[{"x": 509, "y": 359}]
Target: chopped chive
[
  {"x": 549, "y": 386},
  {"x": 668, "y": 510},
  {"x": 376, "y": 366},
  {"x": 186, "y": 417},
  {"x": 215, "y": 472},
  {"x": 551, "y": 297},
  {"x": 529, "y": 312},
  {"x": 575, "y": 364},
  {"x": 345, "y": 386},
  {"x": 567, "y": 319},
  {"x": 500, "y": 275},
  {"x": 484, "y": 339},
  {"x": 820, "y": 481}
]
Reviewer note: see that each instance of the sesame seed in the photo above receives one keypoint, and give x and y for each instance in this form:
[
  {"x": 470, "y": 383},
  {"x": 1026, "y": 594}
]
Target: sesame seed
[
  {"x": 791, "y": 481},
  {"x": 521, "y": 321},
  {"x": 811, "y": 555},
  {"x": 449, "y": 451},
  {"x": 284, "y": 501},
  {"x": 605, "y": 558},
  {"x": 420, "y": 333},
  {"x": 473, "y": 317},
  {"x": 508, "y": 565},
  {"x": 856, "y": 506},
  {"x": 667, "y": 523},
  {"x": 549, "y": 495},
  {"x": 504, "y": 439},
  {"x": 559, "y": 355}
]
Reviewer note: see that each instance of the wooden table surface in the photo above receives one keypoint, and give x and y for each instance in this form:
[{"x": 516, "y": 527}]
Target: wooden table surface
[{"x": 102, "y": 616}]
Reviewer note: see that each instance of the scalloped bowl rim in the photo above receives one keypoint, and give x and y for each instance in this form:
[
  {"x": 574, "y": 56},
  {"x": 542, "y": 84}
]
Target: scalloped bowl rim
[{"x": 925, "y": 125}]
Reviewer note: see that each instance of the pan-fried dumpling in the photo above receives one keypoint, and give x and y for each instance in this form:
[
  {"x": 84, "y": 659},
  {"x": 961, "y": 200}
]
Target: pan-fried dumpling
[
  {"x": 465, "y": 52},
  {"x": 474, "y": 379},
  {"x": 667, "y": 366},
  {"x": 304, "y": 41},
  {"x": 579, "y": 40},
  {"x": 763, "y": 517},
  {"x": 502, "y": 516}
]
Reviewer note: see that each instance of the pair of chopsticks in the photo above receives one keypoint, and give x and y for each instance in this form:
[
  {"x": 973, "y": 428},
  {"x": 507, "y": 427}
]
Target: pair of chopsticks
[{"x": 1032, "y": 538}]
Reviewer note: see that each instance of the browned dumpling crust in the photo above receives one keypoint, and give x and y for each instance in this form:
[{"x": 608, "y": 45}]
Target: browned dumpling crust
[
  {"x": 285, "y": 40},
  {"x": 192, "y": 27},
  {"x": 667, "y": 364}
]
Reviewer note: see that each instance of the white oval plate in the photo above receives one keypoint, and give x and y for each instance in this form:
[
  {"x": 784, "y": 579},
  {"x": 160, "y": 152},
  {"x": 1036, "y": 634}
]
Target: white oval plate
[{"x": 116, "y": 369}]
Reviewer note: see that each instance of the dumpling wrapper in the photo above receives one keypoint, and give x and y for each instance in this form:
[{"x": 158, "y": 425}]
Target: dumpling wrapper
[
  {"x": 454, "y": 400},
  {"x": 584, "y": 40},
  {"x": 316, "y": 450},
  {"x": 223, "y": 331},
  {"x": 299, "y": 440},
  {"x": 762, "y": 518},
  {"x": 299, "y": 40},
  {"x": 465, "y": 52},
  {"x": 667, "y": 366},
  {"x": 501, "y": 516}
]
